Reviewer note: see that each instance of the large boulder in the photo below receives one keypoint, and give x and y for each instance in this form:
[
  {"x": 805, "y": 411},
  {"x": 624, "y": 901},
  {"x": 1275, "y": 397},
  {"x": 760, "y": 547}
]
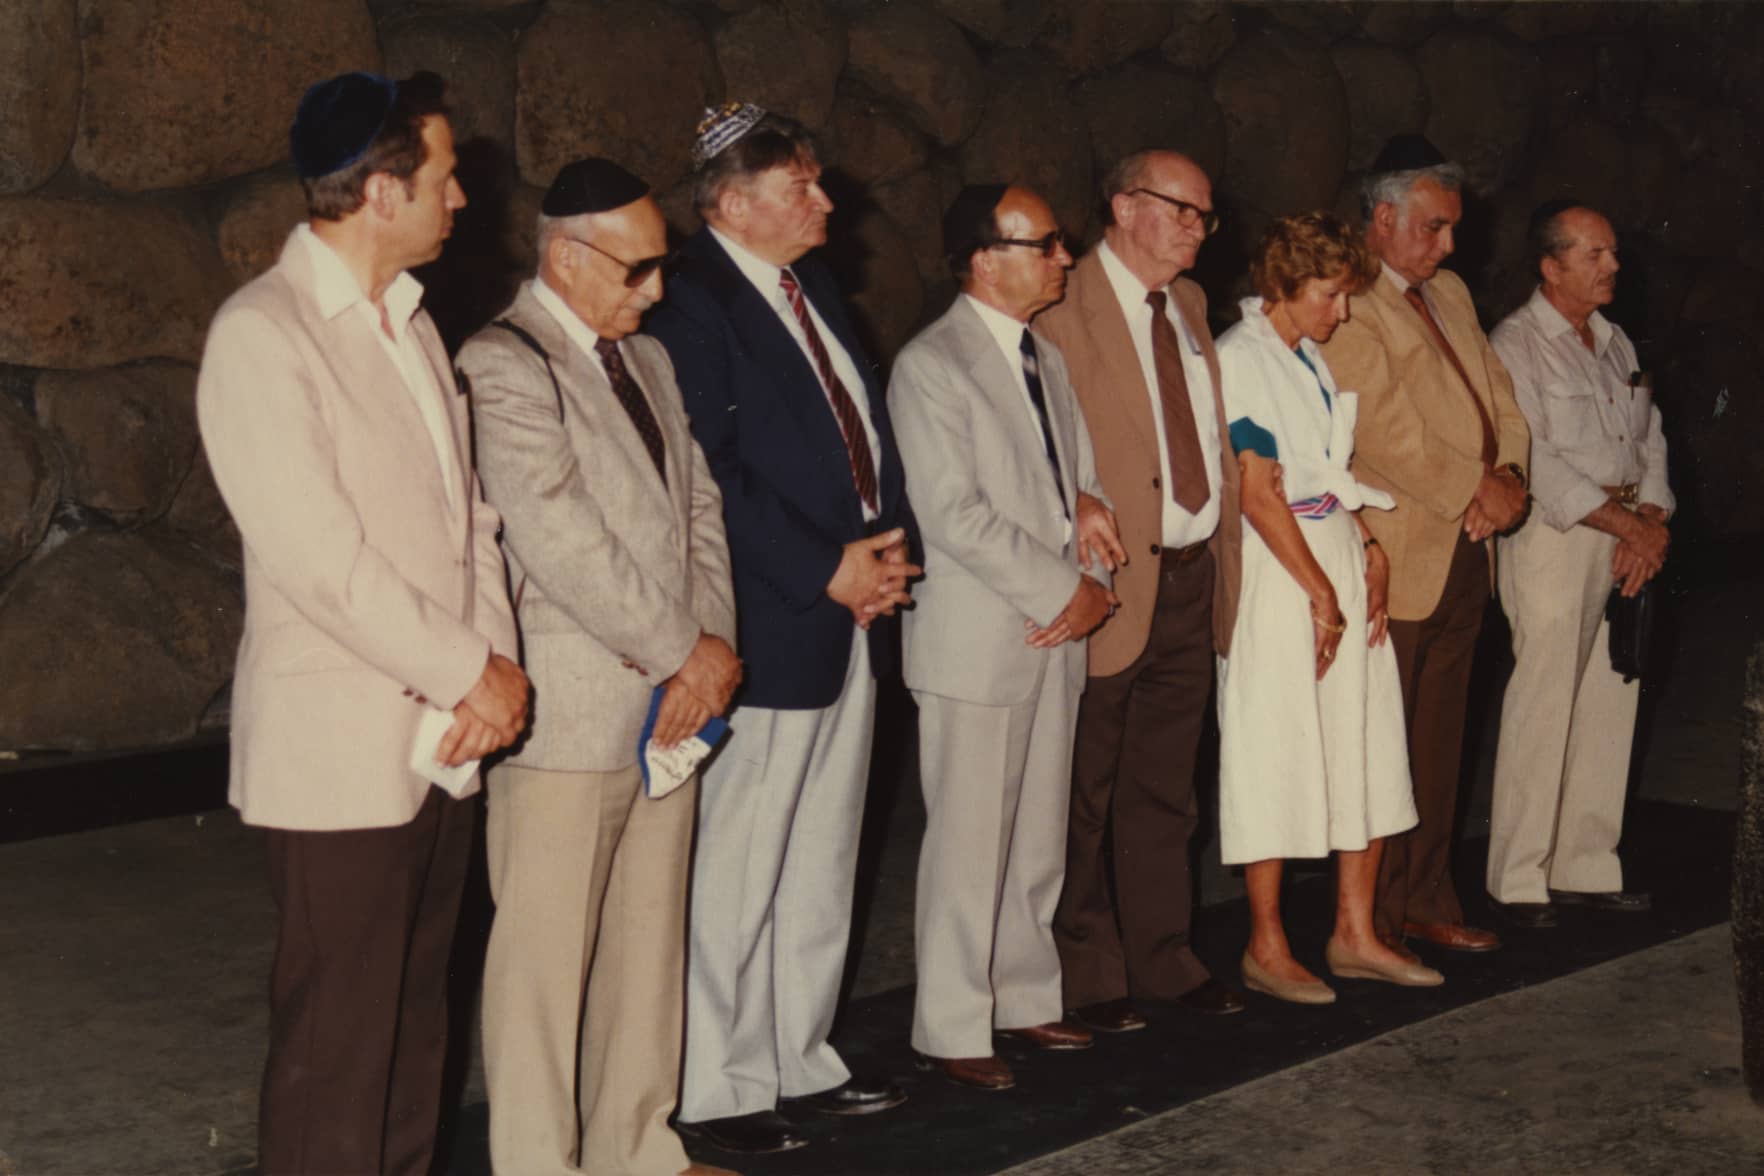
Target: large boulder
[
  {"x": 1137, "y": 106},
  {"x": 874, "y": 264},
  {"x": 751, "y": 46},
  {"x": 474, "y": 55},
  {"x": 1385, "y": 96},
  {"x": 1537, "y": 20},
  {"x": 1402, "y": 24},
  {"x": 1200, "y": 33},
  {"x": 1031, "y": 134},
  {"x": 913, "y": 55},
  {"x": 181, "y": 93},
  {"x": 1712, "y": 395},
  {"x": 258, "y": 214},
  {"x": 1481, "y": 92},
  {"x": 869, "y": 142},
  {"x": 1012, "y": 23},
  {"x": 128, "y": 434},
  {"x": 94, "y": 283},
  {"x": 39, "y": 90},
  {"x": 114, "y": 641},
  {"x": 916, "y": 203},
  {"x": 199, "y": 516},
  {"x": 625, "y": 79},
  {"x": 1089, "y": 35},
  {"x": 1704, "y": 213},
  {"x": 1323, "y": 19},
  {"x": 1286, "y": 122},
  {"x": 30, "y": 483},
  {"x": 1584, "y": 157}
]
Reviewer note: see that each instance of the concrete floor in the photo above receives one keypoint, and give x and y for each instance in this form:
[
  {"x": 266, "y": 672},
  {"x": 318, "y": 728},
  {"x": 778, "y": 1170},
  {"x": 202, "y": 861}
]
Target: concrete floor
[{"x": 133, "y": 965}]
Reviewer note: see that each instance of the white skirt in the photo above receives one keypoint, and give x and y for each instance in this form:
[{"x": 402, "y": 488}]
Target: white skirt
[{"x": 1307, "y": 767}]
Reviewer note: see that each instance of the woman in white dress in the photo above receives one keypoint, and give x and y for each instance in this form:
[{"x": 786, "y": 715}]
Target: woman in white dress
[{"x": 1313, "y": 755}]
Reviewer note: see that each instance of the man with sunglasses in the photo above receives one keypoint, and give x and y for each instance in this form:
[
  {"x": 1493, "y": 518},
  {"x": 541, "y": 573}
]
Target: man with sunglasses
[
  {"x": 613, "y": 528},
  {"x": 1018, "y": 548},
  {"x": 1134, "y": 333}
]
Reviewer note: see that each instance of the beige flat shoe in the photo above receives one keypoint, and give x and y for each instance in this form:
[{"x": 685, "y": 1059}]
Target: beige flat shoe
[
  {"x": 1310, "y": 992},
  {"x": 1351, "y": 966}
]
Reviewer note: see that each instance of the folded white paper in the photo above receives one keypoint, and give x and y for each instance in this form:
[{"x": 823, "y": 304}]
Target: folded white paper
[
  {"x": 423, "y": 759},
  {"x": 665, "y": 769}
]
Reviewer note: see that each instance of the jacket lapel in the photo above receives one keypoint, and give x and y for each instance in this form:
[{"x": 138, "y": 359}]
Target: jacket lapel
[
  {"x": 1103, "y": 318},
  {"x": 998, "y": 383}
]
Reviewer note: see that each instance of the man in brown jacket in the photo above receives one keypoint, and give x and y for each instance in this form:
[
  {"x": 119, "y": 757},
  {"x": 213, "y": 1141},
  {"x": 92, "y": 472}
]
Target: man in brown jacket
[
  {"x": 1440, "y": 430},
  {"x": 1135, "y": 338}
]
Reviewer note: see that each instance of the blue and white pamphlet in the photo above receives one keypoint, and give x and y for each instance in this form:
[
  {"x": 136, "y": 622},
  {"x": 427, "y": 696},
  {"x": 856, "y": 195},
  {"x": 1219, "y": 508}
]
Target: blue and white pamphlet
[{"x": 666, "y": 768}]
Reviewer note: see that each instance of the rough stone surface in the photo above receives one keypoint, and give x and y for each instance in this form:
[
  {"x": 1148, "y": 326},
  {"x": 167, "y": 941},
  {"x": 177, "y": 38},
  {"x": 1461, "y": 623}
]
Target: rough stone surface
[
  {"x": 1324, "y": 19},
  {"x": 256, "y": 219},
  {"x": 1480, "y": 101},
  {"x": 752, "y": 46},
  {"x": 199, "y": 515},
  {"x": 1385, "y": 97},
  {"x": 476, "y": 58},
  {"x": 1137, "y": 106},
  {"x": 39, "y": 90},
  {"x": 876, "y": 270},
  {"x": 1748, "y": 880},
  {"x": 1584, "y": 157},
  {"x": 624, "y": 79},
  {"x": 1531, "y": 20},
  {"x": 114, "y": 641},
  {"x": 916, "y": 203},
  {"x": 1402, "y": 24},
  {"x": 1714, "y": 377},
  {"x": 128, "y": 434},
  {"x": 869, "y": 142},
  {"x": 911, "y": 54},
  {"x": 1088, "y": 35},
  {"x": 1012, "y": 23},
  {"x": 1031, "y": 134},
  {"x": 1200, "y": 33},
  {"x": 88, "y": 284},
  {"x": 1286, "y": 118},
  {"x": 30, "y": 482},
  {"x": 150, "y": 120},
  {"x": 1702, "y": 211}
]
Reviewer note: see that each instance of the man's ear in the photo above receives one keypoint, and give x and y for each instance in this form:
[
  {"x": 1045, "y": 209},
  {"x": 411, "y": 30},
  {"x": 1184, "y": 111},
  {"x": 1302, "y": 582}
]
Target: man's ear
[
  {"x": 382, "y": 192},
  {"x": 1384, "y": 217},
  {"x": 1551, "y": 269},
  {"x": 732, "y": 204},
  {"x": 1121, "y": 208}
]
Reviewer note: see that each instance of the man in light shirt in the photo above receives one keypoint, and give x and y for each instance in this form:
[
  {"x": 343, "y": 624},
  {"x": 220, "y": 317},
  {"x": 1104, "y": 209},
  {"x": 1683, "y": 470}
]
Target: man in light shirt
[
  {"x": 374, "y": 591},
  {"x": 1598, "y": 482},
  {"x": 1134, "y": 334}
]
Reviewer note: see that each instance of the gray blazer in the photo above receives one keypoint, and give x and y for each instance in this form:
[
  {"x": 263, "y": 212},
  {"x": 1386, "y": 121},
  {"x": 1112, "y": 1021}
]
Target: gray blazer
[
  {"x": 981, "y": 487},
  {"x": 615, "y": 574}
]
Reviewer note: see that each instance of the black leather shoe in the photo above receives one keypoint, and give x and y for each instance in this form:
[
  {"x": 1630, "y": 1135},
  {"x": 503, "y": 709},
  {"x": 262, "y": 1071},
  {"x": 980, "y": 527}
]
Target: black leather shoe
[
  {"x": 1527, "y": 916},
  {"x": 1630, "y": 901},
  {"x": 753, "y": 1134},
  {"x": 1109, "y": 1016},
  {"x": 854, "y": 1096},
  {"x": 1212, "y": 997}
]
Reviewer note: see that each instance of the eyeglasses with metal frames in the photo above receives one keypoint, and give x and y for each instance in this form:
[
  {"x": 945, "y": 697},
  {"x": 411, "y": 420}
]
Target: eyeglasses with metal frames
[
  {"x": 1187, "y": 215},
  {"x": 636, "y": 272}
]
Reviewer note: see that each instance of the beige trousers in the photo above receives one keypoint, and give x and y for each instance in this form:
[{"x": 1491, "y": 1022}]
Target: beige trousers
[
  {"x": 997, "y": 783},
  {"x": 1567, "y": 721},
  {"x": 584, "y": 980}
]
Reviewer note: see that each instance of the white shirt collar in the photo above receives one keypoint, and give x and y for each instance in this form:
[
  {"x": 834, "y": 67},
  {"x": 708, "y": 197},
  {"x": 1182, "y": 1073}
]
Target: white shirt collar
[
  {"x": 762, "y": 273},
  {"x": 1128, "y": 288},
  {"x": 336, "y": 289},
  {"x": 1552, "y": 322},
  {"x": 1007, "y": 330},
  {"x": 578, "y": 331},
  {"x": 1402, "y": 283}
]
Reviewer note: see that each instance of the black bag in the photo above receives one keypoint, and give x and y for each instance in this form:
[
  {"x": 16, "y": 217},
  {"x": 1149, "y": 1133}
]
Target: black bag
[{"x": 1632, "y": 624}]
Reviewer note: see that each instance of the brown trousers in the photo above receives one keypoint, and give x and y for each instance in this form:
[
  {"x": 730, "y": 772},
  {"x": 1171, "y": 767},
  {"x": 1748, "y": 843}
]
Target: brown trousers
[
  {"x": 1434, "y": 656},
  {"x": 358, "y": 992},
  {"x": 1133, "y": 775}
]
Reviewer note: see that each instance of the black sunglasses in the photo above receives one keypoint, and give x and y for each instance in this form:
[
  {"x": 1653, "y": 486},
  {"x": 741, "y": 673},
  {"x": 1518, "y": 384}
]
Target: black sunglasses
[
  {"x": 1188, "y": 215},
  {"x": 1046, "y": 243},
  {"x": 636, "y": 272}
]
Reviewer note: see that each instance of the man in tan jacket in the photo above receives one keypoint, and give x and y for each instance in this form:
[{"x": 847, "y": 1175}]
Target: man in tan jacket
[
  {"x": 1438, "y": 429},
  {"x": 1134, "y": 334}
]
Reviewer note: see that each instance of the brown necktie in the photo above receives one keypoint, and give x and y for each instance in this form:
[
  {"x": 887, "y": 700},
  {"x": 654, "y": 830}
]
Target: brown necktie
[
  {"x": 636, "y": 407},
  {"x": 1188, "y": 469},
  {"x": 1413, "y": 294},
  {"x": 857, "y": 443}
]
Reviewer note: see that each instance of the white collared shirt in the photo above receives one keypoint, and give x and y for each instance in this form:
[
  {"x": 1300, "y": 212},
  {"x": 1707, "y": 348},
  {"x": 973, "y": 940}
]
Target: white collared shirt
[
  {"x": 574, "y": 328},
  {"x": 338, "y": 292},
  {"x": 1590, "y": 427},
  {"x": 1008, "y": 333},
  {"x": 766, "y": 279},
  {"x": 1180, "y": 528}
]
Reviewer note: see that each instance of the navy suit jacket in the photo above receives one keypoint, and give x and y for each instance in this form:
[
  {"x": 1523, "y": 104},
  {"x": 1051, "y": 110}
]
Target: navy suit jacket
[{"x": 761, "y": 416}]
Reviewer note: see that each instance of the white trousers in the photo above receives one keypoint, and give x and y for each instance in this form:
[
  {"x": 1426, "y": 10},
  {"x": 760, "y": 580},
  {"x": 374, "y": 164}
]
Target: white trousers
[
  {"x": 998, "y": 785},
  {"x": 780, "y": 809},
  {"x": 1567, "y": 721}
]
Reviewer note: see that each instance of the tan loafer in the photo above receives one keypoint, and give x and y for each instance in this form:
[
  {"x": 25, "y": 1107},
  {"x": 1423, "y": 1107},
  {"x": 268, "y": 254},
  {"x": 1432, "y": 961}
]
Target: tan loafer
[
  {"x": 1310, "y": 992},
  {"x": 1352, "y": 966}
]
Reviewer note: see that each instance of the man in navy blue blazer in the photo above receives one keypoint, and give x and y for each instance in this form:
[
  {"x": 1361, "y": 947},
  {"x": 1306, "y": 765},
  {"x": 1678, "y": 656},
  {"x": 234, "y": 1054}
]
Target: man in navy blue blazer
[{"x": 793, "y": 423}]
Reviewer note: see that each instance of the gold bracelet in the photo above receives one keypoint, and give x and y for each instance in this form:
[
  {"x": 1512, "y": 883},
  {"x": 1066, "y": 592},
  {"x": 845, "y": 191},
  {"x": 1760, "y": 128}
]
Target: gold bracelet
[{"x": 1328, "y": 627}]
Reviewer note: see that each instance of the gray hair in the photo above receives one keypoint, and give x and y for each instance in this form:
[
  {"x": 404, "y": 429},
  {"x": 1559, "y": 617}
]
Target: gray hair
[
  {"x": 774, "y": 141},
  {"x": 1391, "y": 187},
  {"x": 547, "y": 228}
]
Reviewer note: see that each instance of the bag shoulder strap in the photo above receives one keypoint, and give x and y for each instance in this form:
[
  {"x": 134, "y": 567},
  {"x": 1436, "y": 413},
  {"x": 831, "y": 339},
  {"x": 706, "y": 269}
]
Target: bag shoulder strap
[{"x": 526, "y": 337}]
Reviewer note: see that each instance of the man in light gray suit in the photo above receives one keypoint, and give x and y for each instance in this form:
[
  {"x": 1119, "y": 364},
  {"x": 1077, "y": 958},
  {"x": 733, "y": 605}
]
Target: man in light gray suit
[
  {"x": 999, "y": 466},
  {"x": 614, "y": 534}
]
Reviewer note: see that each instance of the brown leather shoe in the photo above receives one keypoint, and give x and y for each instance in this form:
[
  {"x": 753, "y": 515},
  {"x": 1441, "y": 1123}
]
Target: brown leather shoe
[
  {"x": 1453, "y": 936},
  {"x": 1212, "y": 997},
  {"x": 1054, "y": 1035},
  {"x": 979, "y": 1073},
  {"x": 1109, "y": 1016}
]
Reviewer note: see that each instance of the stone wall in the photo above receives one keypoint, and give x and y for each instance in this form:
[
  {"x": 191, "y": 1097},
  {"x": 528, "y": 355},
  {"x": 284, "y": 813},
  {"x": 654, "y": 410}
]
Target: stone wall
[{"x": 143, "y": 177}]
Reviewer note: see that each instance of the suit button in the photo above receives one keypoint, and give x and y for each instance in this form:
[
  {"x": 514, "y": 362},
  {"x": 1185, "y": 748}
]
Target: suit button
[
  {"x": 1155, "y": 549},
  {"x": 1157, "y": 483}
]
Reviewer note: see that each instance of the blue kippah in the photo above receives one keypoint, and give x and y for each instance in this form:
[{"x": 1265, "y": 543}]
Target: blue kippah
[{"x": 337, "y": 121}]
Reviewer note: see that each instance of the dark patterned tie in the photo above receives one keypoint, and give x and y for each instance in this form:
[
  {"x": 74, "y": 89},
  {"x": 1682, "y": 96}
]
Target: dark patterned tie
[
  {"x": 1188, "y": 468},
  {"x": 636, "y": 407},
  {"x": 1413, "y": 294},
  {"x": 1032, "y": 377},
  {"x": 851, "y": 425}
]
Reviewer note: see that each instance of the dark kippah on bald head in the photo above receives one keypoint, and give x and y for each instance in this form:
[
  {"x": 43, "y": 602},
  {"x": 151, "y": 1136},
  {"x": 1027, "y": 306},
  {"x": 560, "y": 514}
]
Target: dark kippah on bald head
[
  {"x": 591, "y": 185},
  {"x": 971, "y": 223}
]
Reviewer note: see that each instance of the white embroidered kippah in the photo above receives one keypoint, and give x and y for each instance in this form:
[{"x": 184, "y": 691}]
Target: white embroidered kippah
[{"x": 722, "y": 126}]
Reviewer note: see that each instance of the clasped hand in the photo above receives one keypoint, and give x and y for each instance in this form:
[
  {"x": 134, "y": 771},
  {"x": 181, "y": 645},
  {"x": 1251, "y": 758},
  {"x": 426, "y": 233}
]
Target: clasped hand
[
  {"x": 1498, "y": 505},
  {"x": 1640, "y": 552},
  {"x": 872, "y": 576},
  {"x": 491, "y": 716},
  {"x": 1089, "y": 607},
  {"x": 698, "y": 690}
]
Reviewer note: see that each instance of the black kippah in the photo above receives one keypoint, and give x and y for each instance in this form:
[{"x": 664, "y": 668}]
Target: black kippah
[
  {"x": 1409, "y": 152},
  {"x": 337, "y": 122},
  {"x": 969, "y": 223},
  {"x": 591, "y": 185}
]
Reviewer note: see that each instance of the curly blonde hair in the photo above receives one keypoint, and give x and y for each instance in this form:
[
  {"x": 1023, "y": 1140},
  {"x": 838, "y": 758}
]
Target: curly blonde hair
[{"x": 1310, "y": 245}]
